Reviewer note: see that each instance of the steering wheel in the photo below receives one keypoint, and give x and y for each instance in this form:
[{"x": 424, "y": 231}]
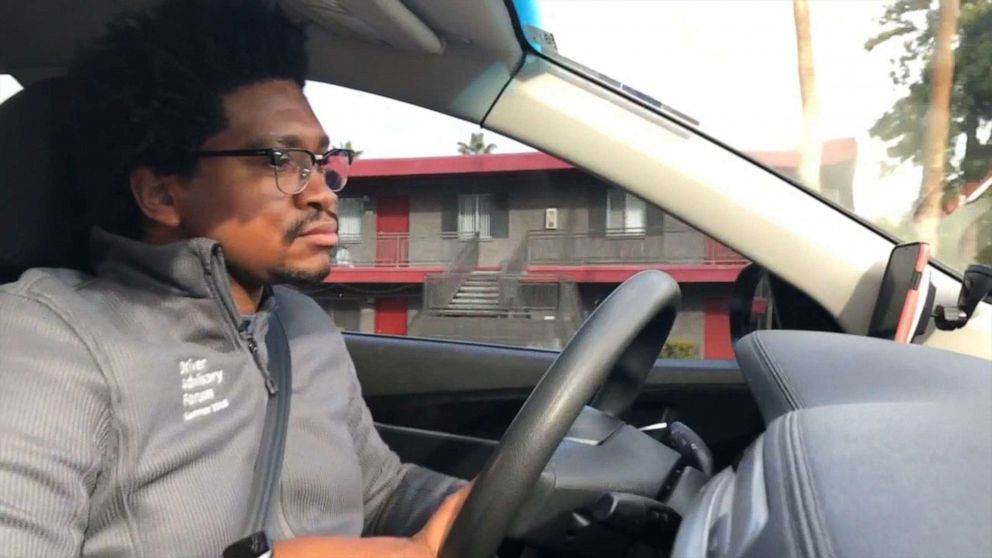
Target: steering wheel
[{"x": 614, "y": 348}]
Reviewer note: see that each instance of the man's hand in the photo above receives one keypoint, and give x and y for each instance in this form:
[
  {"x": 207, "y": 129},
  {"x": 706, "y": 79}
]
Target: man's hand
[
  {"x": 425, "y": 544},
  {"x": 436, "y": 530}
]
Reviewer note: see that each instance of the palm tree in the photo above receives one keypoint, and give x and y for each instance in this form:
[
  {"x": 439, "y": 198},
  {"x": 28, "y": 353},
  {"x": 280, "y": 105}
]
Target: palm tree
[
  {"x": 810, "y": 149},
  {"x": 928, "y": 210},
  {"x": 476, "y": 146},
  {"x": 347, "y": 145}
]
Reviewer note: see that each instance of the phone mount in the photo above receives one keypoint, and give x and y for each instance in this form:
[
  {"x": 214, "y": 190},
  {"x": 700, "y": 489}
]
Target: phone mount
[{"x": 977, "y": 285}]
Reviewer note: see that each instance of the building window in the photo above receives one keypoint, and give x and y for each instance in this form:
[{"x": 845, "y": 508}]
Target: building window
[
  {"x": 625, "y": 213},
  {"x": 475, "y": 215},
  {"x": 350, "y": 219}
]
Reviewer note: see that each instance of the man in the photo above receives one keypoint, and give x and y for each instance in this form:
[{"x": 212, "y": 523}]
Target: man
[{"x": 134, "y": 398}]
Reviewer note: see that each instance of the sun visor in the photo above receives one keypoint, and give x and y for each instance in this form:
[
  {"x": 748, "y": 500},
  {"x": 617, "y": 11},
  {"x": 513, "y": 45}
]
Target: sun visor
[{"x": 387, "y": 22}]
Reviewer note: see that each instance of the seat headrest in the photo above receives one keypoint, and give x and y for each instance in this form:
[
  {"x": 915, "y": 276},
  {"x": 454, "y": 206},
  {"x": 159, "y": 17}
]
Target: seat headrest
[{"x": 41, "y": 219}]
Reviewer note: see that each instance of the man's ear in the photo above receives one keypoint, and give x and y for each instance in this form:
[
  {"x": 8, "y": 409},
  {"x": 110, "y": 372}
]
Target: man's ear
[{"x": 154, "y": 194}]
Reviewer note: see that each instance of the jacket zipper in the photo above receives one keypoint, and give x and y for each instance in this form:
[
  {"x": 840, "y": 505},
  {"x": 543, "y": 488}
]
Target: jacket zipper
[
  {"x": 247, "y": 337},
  {"x": 270, "y": 385}
]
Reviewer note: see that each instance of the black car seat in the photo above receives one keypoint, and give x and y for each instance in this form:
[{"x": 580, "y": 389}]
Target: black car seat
[{"x": 41, "y": 219}]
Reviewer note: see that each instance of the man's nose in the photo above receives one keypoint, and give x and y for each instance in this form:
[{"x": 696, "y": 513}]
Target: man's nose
[{"x": 317, "y": 194}]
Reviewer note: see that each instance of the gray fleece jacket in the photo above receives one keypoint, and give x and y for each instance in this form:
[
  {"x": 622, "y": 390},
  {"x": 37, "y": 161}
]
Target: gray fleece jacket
[{"x": 131, "y": 412}]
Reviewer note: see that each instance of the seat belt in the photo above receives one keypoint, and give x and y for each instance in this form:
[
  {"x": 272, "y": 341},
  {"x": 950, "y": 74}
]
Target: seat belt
[{"x": 268, "y": 463}]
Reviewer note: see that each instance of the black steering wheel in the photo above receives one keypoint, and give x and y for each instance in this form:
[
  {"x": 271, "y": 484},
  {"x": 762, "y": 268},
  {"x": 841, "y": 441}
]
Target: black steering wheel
[{"x": 615, "y": 348}]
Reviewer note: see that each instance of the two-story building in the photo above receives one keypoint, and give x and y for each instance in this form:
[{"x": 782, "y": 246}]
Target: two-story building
[{"x": 518, "y": 248}]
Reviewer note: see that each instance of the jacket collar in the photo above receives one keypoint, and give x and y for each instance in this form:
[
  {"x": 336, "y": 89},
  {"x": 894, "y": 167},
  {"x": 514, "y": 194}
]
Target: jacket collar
[
  {"x": 184, "y": 268},
  {"x": 192, "y": 268}
]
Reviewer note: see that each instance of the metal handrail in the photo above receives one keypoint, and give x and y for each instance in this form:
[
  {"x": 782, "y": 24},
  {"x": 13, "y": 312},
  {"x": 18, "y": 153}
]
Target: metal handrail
[
  {"x": 440, "y": 291},
  {"x": 400, "y": 249},
  {"x": 615, "y": 246},
  {"x": 622, "y": 246},
  {"x": 519, "y": 293}
]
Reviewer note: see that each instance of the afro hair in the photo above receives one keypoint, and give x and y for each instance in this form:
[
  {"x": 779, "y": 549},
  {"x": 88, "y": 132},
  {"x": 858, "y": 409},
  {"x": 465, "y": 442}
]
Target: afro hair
[{"x": 148, "y": 93}]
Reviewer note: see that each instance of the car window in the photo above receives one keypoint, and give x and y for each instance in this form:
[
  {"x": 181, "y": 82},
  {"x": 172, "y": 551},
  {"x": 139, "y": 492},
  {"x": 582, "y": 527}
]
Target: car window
[
  {"x": 881, "y": 106},
  {"x": 448, "y": 231}
]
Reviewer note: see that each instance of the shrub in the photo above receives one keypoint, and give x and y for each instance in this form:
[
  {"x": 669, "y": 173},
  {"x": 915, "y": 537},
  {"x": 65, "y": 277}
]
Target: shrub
[{"x": 679, "y": 348}]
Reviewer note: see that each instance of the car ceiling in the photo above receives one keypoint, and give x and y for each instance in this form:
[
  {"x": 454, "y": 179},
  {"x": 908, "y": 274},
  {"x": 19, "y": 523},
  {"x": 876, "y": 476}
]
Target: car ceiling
[{"x": 451, "y": 56}]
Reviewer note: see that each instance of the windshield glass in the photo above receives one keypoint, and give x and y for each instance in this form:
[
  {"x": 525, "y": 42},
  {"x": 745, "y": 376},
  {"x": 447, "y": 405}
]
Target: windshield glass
[{"x": 884, "y": 107}]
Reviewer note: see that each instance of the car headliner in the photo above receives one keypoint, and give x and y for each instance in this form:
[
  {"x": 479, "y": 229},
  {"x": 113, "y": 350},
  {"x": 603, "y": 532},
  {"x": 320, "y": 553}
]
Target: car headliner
[{"x": 447, "y": 55}]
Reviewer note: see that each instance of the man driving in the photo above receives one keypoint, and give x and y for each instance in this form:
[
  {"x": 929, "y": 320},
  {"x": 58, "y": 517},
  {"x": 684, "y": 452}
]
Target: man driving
[{"x": 135, "y": 395}]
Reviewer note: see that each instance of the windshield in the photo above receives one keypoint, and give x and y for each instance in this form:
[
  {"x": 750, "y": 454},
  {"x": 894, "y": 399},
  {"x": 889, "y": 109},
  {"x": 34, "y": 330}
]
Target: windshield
[{"x": 883, "y": 107}]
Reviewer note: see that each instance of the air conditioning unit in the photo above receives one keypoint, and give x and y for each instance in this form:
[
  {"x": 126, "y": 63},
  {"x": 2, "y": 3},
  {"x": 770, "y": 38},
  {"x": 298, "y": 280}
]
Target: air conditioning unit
[{"x": 551, "y": 218}]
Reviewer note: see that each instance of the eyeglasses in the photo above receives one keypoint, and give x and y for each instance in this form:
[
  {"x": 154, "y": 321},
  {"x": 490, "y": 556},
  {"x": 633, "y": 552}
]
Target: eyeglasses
[{"x": 293, "y": 167}]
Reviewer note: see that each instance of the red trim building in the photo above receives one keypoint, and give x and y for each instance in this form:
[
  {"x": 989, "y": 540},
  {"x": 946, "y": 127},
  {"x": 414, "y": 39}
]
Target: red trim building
[{"x": 516, "y": 233}]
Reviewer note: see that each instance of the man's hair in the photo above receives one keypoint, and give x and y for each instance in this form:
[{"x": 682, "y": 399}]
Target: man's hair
[{"x": 148, "y": 92}]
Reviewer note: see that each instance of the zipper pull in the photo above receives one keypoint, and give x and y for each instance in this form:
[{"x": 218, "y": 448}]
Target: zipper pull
[{"x": 270, "y": 386}]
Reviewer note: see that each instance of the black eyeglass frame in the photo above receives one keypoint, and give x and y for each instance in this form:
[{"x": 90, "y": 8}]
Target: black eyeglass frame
[{"x": 276, "y": 153}]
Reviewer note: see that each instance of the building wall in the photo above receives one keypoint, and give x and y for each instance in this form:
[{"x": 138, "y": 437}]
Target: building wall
[
  {"x": 576, "y": 196},
  {"x": 356, "y": 312},
  {"x": 580, "y": 238},
  {"x": 363, "y": 250},
  {"x": 690, "y": 321},
  {"x": 426, "y": 244}
]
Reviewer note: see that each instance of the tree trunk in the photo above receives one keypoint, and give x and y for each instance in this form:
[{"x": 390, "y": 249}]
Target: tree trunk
[
  {"x": 810, "y": 147},
  {"x": 928, "y": 210}
]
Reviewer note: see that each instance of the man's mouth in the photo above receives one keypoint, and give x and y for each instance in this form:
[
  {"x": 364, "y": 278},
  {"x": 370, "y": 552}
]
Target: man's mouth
[{"x": 324, "y": 233}]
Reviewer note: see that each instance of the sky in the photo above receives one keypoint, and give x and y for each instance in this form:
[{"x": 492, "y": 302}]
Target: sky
[{"x": 730, "y": 64}]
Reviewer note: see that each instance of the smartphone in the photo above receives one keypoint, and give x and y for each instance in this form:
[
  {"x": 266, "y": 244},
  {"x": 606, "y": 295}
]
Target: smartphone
[{"x": 905, "y": 299}]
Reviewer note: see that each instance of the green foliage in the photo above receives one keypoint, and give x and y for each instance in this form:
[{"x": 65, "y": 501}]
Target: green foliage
[
  {"x": 679, "y": 348},
  {"x": 901, "y": 229},
  {"x": 914, "y": 22},
  {"x": 984, "y": 256},
  {"x": 347, "y": 145},
  {"x": 476, "y": 145}
]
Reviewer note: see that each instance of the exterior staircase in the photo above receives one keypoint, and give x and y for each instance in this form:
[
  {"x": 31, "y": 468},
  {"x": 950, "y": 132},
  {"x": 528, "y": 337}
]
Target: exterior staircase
[
  {"x": 499, "y": 307},
  {"x": 477, "y": 296}
]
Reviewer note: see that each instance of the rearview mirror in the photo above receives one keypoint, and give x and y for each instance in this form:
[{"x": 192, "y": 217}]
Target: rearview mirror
[{"x": 977, "y": 285}]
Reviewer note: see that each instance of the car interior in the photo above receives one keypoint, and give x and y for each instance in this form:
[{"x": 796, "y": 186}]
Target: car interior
[{"x": 814, "y": 441}]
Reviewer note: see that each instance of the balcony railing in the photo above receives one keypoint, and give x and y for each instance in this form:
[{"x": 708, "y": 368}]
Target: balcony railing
[
  {"x": 676, "y": 246},
  {"x": 401, "y": 250}
]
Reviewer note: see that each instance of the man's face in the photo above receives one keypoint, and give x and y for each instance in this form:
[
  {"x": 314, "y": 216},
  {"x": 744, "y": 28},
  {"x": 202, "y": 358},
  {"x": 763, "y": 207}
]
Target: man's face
[{"x": 267, "y": 236}]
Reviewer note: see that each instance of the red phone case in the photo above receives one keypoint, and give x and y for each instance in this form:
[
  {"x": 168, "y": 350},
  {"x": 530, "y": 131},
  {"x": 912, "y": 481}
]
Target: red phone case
[{"x": 910, "y": 307}]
